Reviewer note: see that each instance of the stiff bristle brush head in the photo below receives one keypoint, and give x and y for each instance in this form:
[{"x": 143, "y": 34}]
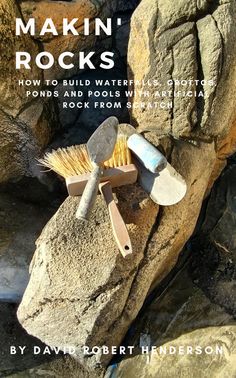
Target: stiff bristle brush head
[
  {"x": 121, "y": 154},
  {"x": 74, "y": 160}
]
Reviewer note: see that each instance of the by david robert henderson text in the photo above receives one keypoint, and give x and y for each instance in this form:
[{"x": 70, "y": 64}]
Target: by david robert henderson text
[{"x": 121, "y": 350}]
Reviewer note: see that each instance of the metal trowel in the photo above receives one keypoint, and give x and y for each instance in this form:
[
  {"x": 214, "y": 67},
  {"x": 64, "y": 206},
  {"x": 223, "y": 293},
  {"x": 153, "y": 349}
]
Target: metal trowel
[
  {"x": 155, "y": 175},
  {"x": 100, "y": 148},
  {"x": 165, "y": 188}
]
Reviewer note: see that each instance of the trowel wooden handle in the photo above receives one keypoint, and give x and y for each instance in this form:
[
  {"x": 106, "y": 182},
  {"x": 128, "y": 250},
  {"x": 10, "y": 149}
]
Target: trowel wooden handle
[
  {"x": 118, "y": 225},
  {"x": 89, "y": 194}
]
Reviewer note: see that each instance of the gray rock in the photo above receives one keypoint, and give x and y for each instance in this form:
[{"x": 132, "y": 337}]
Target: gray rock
[
  {"x": 122, "y": 35},
  {"x": 173, "y": 46},
  {"x": 79, "y": 123},
  {"x": 124, "y": 5},
  {"x": 18, "y": 149},
  {"x": 12, "y": 334},
  {"x": 41, "y": 118},
  {"x": 81, "y": 290},
  {"x": 61, "y": 367},
  {"x": 22, "y": 140},
  {"x": 21, "y": 223},
  {"x": 181, "y": 317},
  {"x": 214, "y": 265},
  {"x": 70, "y": 299}
]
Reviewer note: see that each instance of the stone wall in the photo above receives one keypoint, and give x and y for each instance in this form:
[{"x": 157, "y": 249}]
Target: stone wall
[
  {"x": 27, "y": 124},
  {"x": 78, "y": 280}
]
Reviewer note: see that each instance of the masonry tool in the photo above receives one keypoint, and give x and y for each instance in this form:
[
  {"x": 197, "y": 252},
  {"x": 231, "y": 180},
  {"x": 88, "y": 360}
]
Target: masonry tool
[
  {"x": 165, "y": 188},
  {"x": 100, "y": 147},
  {"x": 149, "y": 155},
  {"x": 156, "y": 176},
  {"x": 73, "y": 163}
]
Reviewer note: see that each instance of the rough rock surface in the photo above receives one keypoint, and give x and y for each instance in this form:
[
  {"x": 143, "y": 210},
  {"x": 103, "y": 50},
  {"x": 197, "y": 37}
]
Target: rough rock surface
[
  {"x": 22, "y": 139},
  {"x": 85, "y": 121},
  {"x": 13, "y": 96},
  {"x": 31, "y": 121},
  {"x": 101, "y": 304},
  {"x": 12, "y": 334},
  {"x": 78, "y": 274},
  {"x": 81, "y": 9},
  {"x": 182, "y": 317},
  {"x": 57, "y": 10},
  {"x": 60, "y": 368},
  {"x": 173, "y": 45},
  {"x": 26, "y": 125},
  {"x": 214, "y": 263},
  {"x": 24, "y": 210},
  {"x": 200, "y": 156}
]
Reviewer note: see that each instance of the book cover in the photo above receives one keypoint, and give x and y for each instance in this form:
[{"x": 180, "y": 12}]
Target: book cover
[{"x": 117, "y": 188}]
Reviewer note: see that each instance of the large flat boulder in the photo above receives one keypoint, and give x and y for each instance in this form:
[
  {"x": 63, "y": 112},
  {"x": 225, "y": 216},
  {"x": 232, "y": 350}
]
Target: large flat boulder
[{"x": 81, "y": 288}]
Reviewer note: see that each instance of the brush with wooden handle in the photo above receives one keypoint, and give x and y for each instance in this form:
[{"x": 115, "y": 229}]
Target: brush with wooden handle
[{"x": 74, "y": 165}]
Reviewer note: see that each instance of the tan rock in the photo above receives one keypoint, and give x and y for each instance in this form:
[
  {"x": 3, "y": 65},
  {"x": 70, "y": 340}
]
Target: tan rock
[
  {"x": 56, "y": 45},
  {"x": 60, "y": 368},
  {"x": 40, "y": 118},
  {"x": 80, "y": 283},
  {"x": 180, "y": 320},
  {"x": 173, "y": 49},
  {"x": 171, "y": 55},
  {"x": 41, "y": 10},
  {"x": 12, "y": 95},
  {"x": 77, "y": 274},
  {"x": 175, "y": 223},
  {"x": 191, "y": 366},
  {"x": 26, "y": 124}
]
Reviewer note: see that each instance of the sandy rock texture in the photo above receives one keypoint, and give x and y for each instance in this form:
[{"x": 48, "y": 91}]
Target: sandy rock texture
[
  {"x": 174, "y": 46},
  {"x": 26, "y": 124},
  {"x": 57, "y": 10},
  {"x": 13, "y": 96},
  {"x": 200, "y": 131},
  {"x": 198, "y": 307},
  {"x": 81, "y": 288}
]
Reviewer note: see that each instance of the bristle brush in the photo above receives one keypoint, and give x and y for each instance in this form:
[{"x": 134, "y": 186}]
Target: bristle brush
[{"x": 74, "y": 165}]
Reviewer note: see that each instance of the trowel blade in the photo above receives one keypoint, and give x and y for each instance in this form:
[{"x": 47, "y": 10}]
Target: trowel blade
[
  {"x": 165, "y": 188},
  {"x": 101, "y": 144}
]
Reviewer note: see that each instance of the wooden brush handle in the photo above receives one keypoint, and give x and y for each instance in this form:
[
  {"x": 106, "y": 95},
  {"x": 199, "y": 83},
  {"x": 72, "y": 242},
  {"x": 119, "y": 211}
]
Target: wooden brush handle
[
  {"x": 118, "y": 225},
  {"x": 89, "y": 194}
]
